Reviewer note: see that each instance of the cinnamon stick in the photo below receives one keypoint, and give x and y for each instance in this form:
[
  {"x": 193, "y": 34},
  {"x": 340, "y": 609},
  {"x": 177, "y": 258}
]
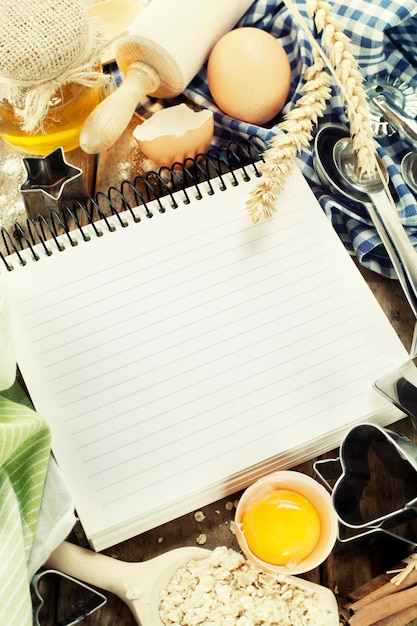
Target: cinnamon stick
[
  {"x": 384, "y": 607},
  {"x": 403, "y": 618},
  {"x": 384, "y": 590},
  {"x": 367, "y": 588}
]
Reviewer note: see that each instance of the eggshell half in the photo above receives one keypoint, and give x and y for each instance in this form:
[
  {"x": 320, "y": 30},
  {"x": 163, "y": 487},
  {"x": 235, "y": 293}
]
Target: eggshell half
[
  {"x": 175, "y": 134},
  {"x": 249, "y": 75}
]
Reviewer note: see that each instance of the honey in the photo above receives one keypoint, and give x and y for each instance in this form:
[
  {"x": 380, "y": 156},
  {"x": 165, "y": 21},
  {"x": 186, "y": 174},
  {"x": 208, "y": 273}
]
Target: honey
[{"x": 68, "y": 108}]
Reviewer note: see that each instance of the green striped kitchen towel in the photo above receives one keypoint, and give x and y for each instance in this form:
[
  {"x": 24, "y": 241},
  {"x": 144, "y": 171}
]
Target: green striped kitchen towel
[{"x": 24, "y": 457}]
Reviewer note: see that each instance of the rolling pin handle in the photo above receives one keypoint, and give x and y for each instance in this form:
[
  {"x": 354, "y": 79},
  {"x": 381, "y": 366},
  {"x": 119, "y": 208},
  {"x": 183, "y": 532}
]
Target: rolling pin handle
[{"x": 110, "y": 118}]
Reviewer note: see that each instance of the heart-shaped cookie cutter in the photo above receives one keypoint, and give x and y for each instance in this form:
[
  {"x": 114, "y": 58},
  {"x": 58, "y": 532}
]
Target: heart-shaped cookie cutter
[
  {"x": 349, "y": 479},
  {"x": 96, "y": 599}
]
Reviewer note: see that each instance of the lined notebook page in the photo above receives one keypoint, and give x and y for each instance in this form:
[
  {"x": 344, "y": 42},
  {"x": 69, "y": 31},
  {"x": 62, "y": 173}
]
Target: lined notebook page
[{"x": 179, "y": 358}]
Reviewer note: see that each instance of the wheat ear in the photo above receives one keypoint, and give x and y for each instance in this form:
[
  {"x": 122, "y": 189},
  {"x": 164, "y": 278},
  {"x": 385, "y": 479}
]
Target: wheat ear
[
  {"x": 298, "y": 124},
  {"x": 350, "y": 82},
  {"x": 342, "y": 65}
]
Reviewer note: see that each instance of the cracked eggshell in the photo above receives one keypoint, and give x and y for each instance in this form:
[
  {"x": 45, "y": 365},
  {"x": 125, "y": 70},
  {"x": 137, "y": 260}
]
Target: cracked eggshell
[{"x": 174, "y": 134}]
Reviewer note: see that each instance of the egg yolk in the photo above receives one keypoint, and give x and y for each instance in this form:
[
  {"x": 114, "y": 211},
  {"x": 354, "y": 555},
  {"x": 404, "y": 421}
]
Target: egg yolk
[{"x": 281, "y": 529}]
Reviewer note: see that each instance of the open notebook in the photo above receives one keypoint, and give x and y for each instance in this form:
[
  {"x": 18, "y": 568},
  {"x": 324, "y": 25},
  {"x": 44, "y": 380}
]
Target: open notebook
[{"x": 180, "y": 358}]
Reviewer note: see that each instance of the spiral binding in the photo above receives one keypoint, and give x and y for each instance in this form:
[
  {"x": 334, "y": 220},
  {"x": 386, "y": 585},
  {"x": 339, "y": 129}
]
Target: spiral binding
[{"x": 155, "y": 186}]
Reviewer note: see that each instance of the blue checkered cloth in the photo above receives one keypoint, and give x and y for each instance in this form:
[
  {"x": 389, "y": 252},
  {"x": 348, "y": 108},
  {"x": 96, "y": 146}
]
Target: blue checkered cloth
[{"x": 383, "y": 35}]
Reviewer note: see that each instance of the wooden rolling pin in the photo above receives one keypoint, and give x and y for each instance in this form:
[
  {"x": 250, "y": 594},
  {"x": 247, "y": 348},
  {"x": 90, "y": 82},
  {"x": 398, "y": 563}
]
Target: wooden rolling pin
[{"x": 163, "y": 50}]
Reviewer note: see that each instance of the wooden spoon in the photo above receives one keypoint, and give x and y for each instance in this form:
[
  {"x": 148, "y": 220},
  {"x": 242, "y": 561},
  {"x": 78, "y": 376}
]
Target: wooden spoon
[{"x": 139, "y": 584}]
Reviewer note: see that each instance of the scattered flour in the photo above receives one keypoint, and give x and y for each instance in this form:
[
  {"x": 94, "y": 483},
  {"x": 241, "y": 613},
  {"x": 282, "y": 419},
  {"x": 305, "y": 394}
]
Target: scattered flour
[{"x": 12, "y": 176}]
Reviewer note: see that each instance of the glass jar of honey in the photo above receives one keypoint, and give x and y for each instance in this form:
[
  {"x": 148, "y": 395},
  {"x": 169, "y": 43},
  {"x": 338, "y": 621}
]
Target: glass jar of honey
[
  {"x": 67, "y": 110},
  {"x": 50, "y": 73}
]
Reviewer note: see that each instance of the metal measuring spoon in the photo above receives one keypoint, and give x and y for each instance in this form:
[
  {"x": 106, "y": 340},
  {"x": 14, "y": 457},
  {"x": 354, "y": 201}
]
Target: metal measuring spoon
[
  {"x": 409, "y": 170},
  {"x": 372, "y": 187},
  {"x": 362, "y": 185},
  {"x": 337, "y": 169},
  {"x": 328, "y": 173}
]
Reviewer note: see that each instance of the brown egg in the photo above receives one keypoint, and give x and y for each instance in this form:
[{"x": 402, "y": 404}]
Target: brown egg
[
  {"x": 249, "y": 75},
  {"x": 175, "y": 134}
]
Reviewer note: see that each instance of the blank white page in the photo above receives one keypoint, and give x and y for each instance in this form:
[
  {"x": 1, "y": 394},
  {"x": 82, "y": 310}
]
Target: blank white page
[{"x": 179, "y": 357}]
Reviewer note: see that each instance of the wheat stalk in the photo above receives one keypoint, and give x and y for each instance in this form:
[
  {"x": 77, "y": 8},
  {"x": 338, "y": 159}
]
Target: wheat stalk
[
  {"x": 350, "y": 81},
  {"x": 298, "y": 123}
]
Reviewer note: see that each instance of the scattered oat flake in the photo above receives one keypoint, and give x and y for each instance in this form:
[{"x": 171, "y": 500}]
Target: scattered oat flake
[
  {"x": 201, "y": 539},
  {"x": 199, "y": 516},
  {"x": 229, "y": 506},
  {"x": 133, "y": 593},
  {"x": 233, "y": 527},
  {"x": 160, "y": 539}
]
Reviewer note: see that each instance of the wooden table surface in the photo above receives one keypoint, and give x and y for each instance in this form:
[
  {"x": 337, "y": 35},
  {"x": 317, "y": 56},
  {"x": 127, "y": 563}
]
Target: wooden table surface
[{"x": 346, "y": 568}]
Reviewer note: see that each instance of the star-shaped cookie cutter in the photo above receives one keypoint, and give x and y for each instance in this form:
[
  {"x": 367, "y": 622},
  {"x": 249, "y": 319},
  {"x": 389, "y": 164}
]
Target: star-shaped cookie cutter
[{"x": 52, "y": 183}]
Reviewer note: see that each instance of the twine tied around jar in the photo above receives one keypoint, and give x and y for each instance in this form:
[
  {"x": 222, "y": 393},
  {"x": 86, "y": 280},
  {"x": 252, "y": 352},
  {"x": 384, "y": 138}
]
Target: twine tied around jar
[{"x": 43, "y": 46}]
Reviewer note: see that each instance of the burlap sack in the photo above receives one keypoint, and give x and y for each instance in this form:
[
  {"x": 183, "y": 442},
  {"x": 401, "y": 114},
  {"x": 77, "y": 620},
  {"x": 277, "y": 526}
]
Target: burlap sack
[{"x": 44, "y": 45}]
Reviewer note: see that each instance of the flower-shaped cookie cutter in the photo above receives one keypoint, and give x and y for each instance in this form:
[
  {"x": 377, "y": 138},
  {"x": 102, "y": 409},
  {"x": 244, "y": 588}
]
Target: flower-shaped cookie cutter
[
  {"x": 370, "y": 451},
  {"x": 51, "y": 183}
]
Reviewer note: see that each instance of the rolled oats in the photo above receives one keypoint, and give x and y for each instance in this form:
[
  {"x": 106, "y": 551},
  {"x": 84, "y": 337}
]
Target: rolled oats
[
  {"x": 227, "y": 589},
  {"x": 201, "y": 539}
]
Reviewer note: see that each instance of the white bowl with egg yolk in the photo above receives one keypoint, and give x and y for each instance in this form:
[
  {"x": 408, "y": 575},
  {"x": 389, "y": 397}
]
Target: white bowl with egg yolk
[{"x": 285, "y": 523}]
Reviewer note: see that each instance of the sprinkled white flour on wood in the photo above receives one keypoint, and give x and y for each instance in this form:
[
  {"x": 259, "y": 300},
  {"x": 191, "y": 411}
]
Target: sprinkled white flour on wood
[
  {"x": 228, "y": 590},
  {"x": 12, "y": 176}
]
